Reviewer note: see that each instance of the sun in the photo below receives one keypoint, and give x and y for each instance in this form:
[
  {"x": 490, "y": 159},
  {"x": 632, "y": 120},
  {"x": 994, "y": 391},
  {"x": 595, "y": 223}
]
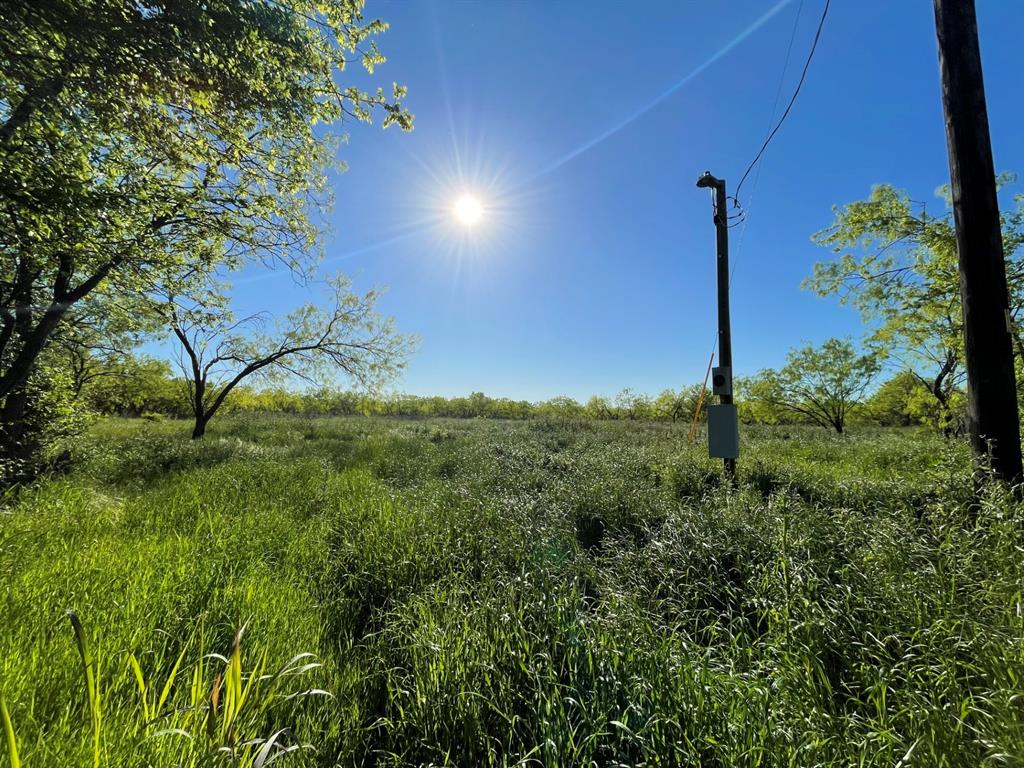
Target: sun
[{"x": 468, "y": 210}]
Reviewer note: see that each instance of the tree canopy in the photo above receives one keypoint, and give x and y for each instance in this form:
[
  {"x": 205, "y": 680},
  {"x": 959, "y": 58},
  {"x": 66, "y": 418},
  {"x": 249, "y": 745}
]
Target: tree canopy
[
  {"x": 821, "y": 384},
  {"x": 311, "y": 343},
  {"x": 144, "y": 145},
  {"x": 897, "y": 264}
]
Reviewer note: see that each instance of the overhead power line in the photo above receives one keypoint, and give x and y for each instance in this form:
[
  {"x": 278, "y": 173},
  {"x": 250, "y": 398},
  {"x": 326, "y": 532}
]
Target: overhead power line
[
  {"x": 768, "y": 128},
  {"x": 792, "y": 100},
  {"x": 739, "y": 217}
]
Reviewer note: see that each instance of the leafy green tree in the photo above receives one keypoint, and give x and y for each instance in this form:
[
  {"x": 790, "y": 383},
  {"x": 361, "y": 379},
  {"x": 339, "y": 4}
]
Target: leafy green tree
[
  {"x": 821, "y": 384},
  {"x": 633, "y": 405},
  {"x": 50, "y": 412},
  {"x": 506, "y": 408},
  {"x": 904, "y": 400},
  {"x": 597, "y": 407},
  {"x": 140, "y": 138},
  {"x": 560, "y": 407},
  {"x": 898, "y": 266},
  {"x": 479, "y": 405},
  {"x": 133, "y": 386},
  {"x": 673, "y": 405},
  {"x": 97, "y": 338},
  {"x": 890, "y": 404},
  {"x": 753, "y": 408},
  {"x": 311, "y": 344}
]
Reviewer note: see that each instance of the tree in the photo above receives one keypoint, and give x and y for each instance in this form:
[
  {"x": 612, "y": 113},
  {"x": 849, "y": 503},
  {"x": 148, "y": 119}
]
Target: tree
[
  {"x": 898, "y": 267},
  {"x": 890, "y": 404},
  {"x": 674, "y": 405},
  {"x": 560, "y": 407},
  {"x": 138, "y": 137},
  {"x": 904, "y": 400},
  {"x": 635, "y": 406},
  {"x": 98, "y": 336},
  {"x": 133, "y": 386},
  {"x": 311, "y": 344},
  {"x": 597, "y": 407},
  {"x": 821, "y": 384},
  {"x": 51, "y": 412},
  {"x": 753, "y": 407}
]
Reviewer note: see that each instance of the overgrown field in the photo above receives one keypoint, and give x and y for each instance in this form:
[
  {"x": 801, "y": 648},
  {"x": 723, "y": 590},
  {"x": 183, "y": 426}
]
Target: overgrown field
[{"x": 483, "y": 593}]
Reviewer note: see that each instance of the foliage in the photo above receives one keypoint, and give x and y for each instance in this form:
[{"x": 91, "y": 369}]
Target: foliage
[
  {"x": 50, "y": 415},
  {"x": 679, "y": 405},
  {"x": 904, "y": 400},
  {"x": 150, "y": 145},
  {"x": 134, "y": 386},
  {"x": 496, "y": 593},
  {"x": 137, "y": 385},
  {"x": 898, "y": 267},
  {"x": 822, "y": 384},
  {"x": 100, "y": 335},
  {"x": 633, "y": 405},
  {"x": 752, "y": 408},
  {"x": 311, "y": 343}
]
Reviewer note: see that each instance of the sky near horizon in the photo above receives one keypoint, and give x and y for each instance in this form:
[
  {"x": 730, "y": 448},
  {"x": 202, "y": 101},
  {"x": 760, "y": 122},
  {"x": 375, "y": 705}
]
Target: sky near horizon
[{"x": 581, "y": 128}]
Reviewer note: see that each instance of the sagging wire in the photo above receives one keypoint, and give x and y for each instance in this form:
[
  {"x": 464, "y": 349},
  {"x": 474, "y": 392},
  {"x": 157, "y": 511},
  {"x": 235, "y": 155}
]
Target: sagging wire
[
  {"x": 792, "y": 100},
  {"x": 740, "y": 214}
]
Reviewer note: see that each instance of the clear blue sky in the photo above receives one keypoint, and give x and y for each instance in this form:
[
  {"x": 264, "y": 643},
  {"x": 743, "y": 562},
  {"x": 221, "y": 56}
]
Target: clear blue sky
[{"x": 582, "y": 127}]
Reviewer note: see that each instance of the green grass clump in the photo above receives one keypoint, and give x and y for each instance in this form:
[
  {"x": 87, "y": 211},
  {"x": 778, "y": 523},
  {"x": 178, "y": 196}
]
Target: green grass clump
[{"x": 486, "y": 593}]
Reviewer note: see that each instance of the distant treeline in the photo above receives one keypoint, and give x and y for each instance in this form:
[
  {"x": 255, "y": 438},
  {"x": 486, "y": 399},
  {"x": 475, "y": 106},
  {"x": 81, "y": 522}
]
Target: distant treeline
[{"x": 148, "y": 388}]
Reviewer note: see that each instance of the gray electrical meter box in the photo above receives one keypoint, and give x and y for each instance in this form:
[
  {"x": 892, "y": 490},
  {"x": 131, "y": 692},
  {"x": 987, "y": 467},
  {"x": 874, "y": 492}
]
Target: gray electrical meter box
[
  {"x": 721, "y": 380},
  {"x": 723, "y": 432}
]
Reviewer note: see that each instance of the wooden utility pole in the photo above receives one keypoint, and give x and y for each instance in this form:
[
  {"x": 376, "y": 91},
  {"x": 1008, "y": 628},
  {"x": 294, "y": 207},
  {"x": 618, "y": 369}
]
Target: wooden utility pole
[
  {"x": 991, "y": 384},
  {"x": 722, "y": 380}
]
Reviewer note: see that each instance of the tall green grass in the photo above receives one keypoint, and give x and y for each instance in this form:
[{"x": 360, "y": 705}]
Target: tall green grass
[{"x": 431, "y": 593}]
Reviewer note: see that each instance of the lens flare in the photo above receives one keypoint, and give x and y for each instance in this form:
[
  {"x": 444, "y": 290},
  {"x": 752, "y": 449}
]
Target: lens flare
[{"x": 468, "y": 210}]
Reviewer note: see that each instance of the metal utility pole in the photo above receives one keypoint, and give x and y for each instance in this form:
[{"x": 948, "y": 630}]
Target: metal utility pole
[
  {"x": 723, "y": 424},
  {"x": 991, "y": 385}
]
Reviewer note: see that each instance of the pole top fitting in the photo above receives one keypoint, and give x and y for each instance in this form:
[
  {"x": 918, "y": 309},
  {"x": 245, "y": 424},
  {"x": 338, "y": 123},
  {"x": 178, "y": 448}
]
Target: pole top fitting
[{"x": 707, "y": 180}]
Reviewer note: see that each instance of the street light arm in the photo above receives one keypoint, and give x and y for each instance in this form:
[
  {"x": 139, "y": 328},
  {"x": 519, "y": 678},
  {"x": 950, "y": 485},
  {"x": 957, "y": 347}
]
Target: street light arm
[{"x": 707, "y": 180}]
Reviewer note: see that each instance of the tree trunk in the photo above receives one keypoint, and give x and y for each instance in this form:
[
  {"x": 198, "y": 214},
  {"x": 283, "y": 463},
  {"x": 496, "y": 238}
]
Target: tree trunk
[
  {"x": 198, "y": 405},
  {"x": 945, "y": 415},
  {"x": 18, "y": 446}
]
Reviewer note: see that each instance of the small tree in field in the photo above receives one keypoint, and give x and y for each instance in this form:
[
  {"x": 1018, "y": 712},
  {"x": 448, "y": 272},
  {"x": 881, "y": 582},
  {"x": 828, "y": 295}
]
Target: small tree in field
[
  {"x": 634, "y": 406},
  {"x": 218, "y": 352},
  {"x": 677, "y": 405},
  {"x": 819, "y": 383},
  {"x": 597, "y": 407}
]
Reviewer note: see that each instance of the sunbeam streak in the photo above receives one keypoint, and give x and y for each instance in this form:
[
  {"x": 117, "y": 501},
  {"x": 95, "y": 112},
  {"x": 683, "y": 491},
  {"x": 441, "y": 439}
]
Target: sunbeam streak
[
  {"x": 409, "y": 231},
  {"x": 632, "y": 117}
]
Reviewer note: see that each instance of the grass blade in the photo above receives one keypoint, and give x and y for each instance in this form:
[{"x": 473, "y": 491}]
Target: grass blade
[
  {"x": 92, "y": 687},
  {"x": 12, "y": 744},
  {"x": 170, "y": 682},
  {"x": 141, "y": 680}
]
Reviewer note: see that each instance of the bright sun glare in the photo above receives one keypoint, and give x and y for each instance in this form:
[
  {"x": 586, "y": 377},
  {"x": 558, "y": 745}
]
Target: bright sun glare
[{"x": 468, "y": 210}]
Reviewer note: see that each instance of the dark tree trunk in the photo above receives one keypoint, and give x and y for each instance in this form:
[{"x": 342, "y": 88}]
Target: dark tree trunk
[
  {"x": 198, "y": 406},
  {"x": 19, "y": 447},
  {"x": 945, "y": 416}
]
